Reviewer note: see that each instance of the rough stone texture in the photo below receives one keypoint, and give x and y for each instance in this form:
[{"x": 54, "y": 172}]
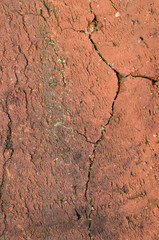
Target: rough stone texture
[
  {"x": 124, "y": 188},
  {"x": 79, "y": 120}
]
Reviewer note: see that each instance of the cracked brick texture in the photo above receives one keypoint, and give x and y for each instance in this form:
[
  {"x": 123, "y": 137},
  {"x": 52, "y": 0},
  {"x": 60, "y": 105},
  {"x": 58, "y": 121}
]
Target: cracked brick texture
[{"x": 79, "y": 120}]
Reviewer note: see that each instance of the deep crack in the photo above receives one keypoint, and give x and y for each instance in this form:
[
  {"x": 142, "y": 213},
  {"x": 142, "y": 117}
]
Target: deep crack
[
  {"x": 90, "y": 5},
  {"x": 103, "y": 59},
  {"x": 92, "y": 157},
  {"x": 47, "y": 7},
  {"x": 113, "y": 5},
  {"x": 26, "y": 103},
  {"x": 119, "y": 75},
  {"x": 41, "y": 14},
  {"x": 153, "y": 80},
  {"x": 84, "y": 135}
]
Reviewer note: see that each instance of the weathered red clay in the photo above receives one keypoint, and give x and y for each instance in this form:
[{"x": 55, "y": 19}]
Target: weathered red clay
[{"x": 79, "y": 120}]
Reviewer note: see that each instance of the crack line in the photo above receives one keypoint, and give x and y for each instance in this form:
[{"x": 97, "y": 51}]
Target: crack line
[
  {"x": 92, "y": 157},
  {"x": 84, "y": 135},
  {"x": 8, "y": 147}
]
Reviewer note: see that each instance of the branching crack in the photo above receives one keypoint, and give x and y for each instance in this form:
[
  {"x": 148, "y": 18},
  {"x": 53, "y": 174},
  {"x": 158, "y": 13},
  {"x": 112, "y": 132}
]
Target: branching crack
[
  {"x": 84, "y": 135},
  {"x": 119, "y": 75},
  {"x": 24, "y": 26},
  {"x": 92, "y": 157}
]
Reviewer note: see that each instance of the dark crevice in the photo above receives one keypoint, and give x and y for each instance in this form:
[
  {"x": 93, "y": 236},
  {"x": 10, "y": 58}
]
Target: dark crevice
[
  {"x": 103, "y": 59},
  {"x": 25, "y": 29},
  {"x": 78, "y": 215},
  {"x": 8, "y": 141},
  {"x": 90, "y": 5},
  {"x": 120, "y": 77},
  {"x": 8, "y": 146},
  {"x": 153, "y": 80},
  {"x": 89, "y": 171},
  {"x": 32, "y": 159},
  {"x": 113, "y": 5},
  {"x": 75, "y": 30},
  {"x": 24, "y": 26},
  {"x": 26, "y": 103},
  {"x": 16, "y": 76},
  {"x": 92, "y": 158},
  {"x": 27, "y": 62},
  {"x": 118, "y": 74},
  {"x": 84, "y": 135},
  {"x": 41, "y": 14},
  {"x": 47, "y": 8}
]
